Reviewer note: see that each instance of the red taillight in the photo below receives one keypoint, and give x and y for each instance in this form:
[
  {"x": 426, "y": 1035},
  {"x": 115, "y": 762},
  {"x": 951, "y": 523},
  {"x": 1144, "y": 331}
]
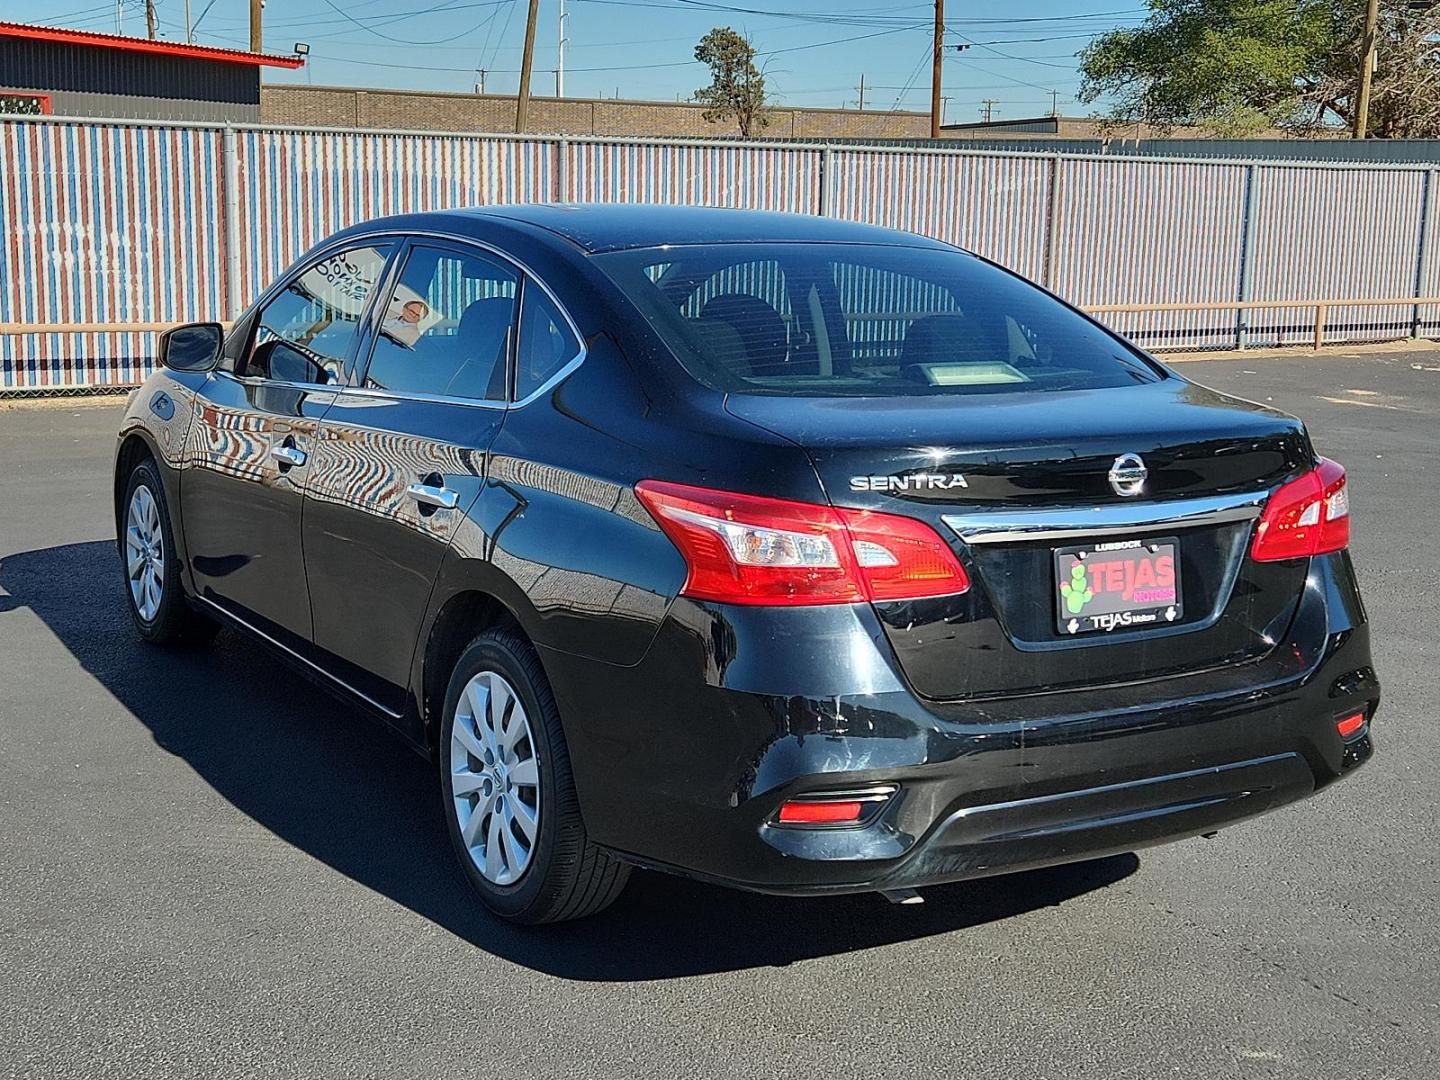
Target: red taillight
[
  {"x": 810, "y": 812},
  {"x": 748, "y": 549},
  {"x": 1350, "y": 725},
  {"x": 1308, "y": 516}
]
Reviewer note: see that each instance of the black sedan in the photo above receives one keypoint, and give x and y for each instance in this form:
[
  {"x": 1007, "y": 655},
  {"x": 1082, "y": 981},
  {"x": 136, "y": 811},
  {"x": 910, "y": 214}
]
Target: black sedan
[{"x": 796, "y": 555}]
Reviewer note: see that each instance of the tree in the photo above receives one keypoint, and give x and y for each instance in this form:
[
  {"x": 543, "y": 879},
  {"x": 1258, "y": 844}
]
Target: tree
[
  {"x": 737, "y": 88},
  {"x": 1237, "y": 67}
]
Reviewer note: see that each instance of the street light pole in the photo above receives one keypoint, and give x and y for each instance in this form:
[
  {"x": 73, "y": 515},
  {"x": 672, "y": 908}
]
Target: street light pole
[
  {"x": 1367, "y": 69},
  {"x": 560, "y": 61}
]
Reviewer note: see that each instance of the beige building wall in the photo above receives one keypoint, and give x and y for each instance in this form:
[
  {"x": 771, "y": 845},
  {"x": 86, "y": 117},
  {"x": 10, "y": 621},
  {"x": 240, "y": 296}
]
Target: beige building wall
[{"x": 325, "y": 106}]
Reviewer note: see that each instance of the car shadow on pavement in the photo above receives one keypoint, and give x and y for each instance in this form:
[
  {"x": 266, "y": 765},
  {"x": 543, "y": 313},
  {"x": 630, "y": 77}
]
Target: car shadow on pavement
[{"x": 312, "y": 771}]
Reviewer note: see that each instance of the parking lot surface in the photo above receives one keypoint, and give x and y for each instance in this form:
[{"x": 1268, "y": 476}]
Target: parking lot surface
[{"x": 208, "y": 867}]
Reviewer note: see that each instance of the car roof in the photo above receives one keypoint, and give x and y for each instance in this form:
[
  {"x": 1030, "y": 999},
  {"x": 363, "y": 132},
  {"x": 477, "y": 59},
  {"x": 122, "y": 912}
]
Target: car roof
[{"x": 597, "y": 227}]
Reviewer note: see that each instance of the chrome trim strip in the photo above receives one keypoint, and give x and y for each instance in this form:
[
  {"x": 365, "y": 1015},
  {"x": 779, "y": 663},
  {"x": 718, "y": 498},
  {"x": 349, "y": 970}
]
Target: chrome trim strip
[
  {"x": 228, "y": 614},
  {"x": 439, "y": 399},
  {"x": 1083, "y": 522}
]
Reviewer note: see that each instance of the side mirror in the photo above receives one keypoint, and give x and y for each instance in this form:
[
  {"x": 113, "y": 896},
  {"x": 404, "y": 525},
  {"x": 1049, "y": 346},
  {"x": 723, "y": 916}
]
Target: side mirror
[
  {"x": 282, "y": 362},
  {"x": 192, "y": 347}
]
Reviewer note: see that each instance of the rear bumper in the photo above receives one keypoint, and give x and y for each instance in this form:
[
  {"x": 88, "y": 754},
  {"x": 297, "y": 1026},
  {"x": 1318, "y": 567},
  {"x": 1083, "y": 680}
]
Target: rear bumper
[{"x": 682, "y": 760}]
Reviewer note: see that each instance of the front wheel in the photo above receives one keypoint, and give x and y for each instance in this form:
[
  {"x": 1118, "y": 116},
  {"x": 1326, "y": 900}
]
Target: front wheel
[
  {"x": 152, "y": 568},
  {"x": 510, "y": 802}
]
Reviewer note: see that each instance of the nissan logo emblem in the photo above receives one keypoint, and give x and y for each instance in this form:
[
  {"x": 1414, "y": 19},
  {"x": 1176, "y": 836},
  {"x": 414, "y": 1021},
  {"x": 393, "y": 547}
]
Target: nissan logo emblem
[{"x": 1127, "y": 475}]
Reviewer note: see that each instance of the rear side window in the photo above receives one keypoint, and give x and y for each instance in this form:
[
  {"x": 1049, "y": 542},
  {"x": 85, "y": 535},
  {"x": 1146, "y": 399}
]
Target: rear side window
[
  {"x": 862, "y": 320},
  {"x": 547, "y": 344},
  {"x": 306, "y": 331},
  {"x": 446, "y": 327}
]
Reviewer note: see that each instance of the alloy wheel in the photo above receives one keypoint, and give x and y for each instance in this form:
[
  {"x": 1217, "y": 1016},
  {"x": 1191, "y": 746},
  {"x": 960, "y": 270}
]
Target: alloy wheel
[
  {"x": 495, "y": 778},
  {"x": 145, "y": 553}
]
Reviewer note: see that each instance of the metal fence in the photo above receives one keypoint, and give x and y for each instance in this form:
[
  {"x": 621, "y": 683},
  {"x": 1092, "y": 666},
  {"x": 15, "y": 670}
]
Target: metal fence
[{"x": 110, "y": 229}]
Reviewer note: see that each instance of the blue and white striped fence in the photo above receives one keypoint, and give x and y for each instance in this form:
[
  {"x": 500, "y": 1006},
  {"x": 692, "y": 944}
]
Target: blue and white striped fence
[{"x": 143, "y": 224}]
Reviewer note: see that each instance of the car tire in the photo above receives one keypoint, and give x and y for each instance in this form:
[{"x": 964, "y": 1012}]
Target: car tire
[
  {"x": 505, "y": 769},
  {"x": 150, "y": 566}
]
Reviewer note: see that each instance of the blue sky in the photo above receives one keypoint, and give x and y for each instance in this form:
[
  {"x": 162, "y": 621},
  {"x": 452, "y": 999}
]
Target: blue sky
[{"x": 813, "y": 51}]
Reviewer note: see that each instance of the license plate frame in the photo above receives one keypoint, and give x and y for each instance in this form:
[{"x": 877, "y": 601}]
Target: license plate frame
[{"x": 1112, "y": 576}]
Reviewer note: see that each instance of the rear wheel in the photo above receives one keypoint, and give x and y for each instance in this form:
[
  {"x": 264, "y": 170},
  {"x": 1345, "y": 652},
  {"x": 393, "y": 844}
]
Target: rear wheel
[
  {"x": 510, "y": 802},
  {"x": 152, "y": 569}
]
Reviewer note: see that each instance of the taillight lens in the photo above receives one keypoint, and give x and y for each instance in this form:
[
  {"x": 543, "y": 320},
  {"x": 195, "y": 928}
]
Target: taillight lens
[
  {"x": 748, "y": 549},
  {"x": 1308, "y": 516}
]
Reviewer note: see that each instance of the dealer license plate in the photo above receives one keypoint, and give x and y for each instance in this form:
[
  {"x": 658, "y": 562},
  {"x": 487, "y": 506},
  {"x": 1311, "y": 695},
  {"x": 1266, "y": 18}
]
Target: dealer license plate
[{"x": 1117, "y": 585}]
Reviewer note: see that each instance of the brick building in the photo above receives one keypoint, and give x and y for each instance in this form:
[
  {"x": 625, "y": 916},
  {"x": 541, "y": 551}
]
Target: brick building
[{"x": 343, "y": 107}]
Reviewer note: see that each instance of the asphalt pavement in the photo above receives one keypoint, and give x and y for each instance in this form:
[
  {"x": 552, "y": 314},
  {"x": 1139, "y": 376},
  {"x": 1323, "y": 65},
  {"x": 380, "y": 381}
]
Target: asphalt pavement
[{"x": 210, "y": 868}]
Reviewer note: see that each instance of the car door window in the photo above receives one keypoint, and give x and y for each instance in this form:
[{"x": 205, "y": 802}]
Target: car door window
[
  {"x": 446, "y": 327},
  {"x": 547, "y": 344},
  {"x": 305, "y": 333}
]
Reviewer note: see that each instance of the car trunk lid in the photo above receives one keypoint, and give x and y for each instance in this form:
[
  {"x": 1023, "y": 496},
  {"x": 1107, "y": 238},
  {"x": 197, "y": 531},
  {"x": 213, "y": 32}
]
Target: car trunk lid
[{"x": 1011, "y": 480}]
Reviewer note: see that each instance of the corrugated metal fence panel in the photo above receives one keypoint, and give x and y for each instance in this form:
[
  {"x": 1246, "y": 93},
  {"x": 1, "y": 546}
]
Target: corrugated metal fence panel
[
  {"x": 104, "y": 223},
  {"x": 995, "y": 206},
  {"x": 125, "y": 223},
  {"x": 756, "y": 179},
  {"x": 1152, "y": 233},
  {"x": 1334, "y": 233},
  {"x": 300, "y": 187},
  {"x": 1428, "y": 317}
]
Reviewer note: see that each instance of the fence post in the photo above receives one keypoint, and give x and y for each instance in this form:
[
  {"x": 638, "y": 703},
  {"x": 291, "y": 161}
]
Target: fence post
[
  {"x": 1247, "y": 252},
  {"x": 827, "y": 175},
  {"x": 1428, "y": 198},
  {"x": 230, "y": 167},
  {"x": 1052, "y": 214}
]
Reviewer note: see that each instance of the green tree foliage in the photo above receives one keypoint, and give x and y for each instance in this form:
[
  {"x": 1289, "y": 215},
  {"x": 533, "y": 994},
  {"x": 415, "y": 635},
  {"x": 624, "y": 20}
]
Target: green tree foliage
[
  {"x": 1236, "y": 67},
  {"x": 737, "y": 88}
]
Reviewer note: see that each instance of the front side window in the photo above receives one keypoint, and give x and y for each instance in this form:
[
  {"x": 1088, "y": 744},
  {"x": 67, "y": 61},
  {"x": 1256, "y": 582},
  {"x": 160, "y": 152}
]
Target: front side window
[
  {"x": 306, "y": 332},
  {"x": 446, "y": 327},
  {"x": 866, "y": 320}
]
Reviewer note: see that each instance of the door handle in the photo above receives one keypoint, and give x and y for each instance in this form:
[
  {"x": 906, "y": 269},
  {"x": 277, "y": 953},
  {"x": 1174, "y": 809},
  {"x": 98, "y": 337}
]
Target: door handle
[
  {"x": 434, "y": 496},
  {"x": 287, "y": 456}
]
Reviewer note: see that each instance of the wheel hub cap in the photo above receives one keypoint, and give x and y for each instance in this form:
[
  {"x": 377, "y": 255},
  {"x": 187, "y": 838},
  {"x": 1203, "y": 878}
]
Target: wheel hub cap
[
  {"x": 144, "y": 553},
  {"x": 495, "y": 778}
]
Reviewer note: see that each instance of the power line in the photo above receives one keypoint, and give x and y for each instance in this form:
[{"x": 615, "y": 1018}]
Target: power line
[{"x": 407, "y": 41}]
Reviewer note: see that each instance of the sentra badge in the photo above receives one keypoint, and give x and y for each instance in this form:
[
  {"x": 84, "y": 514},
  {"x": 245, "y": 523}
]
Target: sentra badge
[{"x": 909, "y": 483}]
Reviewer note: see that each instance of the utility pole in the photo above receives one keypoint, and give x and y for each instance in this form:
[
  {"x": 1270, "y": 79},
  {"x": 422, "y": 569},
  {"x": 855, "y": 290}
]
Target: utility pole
[
  {"x": 256, "y": 44},
  {"x": 936, "y": 59},
  {"x": 522, "y": 106},
  {"x": 150, "y": 19},
  {"x": 862, "y": 91},
  {"x": 1054, "y": 102},
  {"x": 189, "y": 26},
  {"x": 560, "y": 63},
  {"x": 987, "y": 108},
  {"x": 480, "y": 74},
  {"x": 1367, "y": 69}
]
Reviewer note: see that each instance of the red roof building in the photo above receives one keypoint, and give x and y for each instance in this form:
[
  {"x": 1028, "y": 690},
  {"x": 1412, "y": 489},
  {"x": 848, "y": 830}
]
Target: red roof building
[{"x": 47, "y": 69}]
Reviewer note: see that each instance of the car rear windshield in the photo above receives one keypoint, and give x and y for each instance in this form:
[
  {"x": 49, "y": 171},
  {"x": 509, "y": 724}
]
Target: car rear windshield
[{"x": 865, "y": 320}]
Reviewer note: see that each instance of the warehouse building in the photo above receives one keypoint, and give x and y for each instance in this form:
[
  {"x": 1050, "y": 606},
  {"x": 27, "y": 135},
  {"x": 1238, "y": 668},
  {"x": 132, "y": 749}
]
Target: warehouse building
[{"x": 50, "y": 70}]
